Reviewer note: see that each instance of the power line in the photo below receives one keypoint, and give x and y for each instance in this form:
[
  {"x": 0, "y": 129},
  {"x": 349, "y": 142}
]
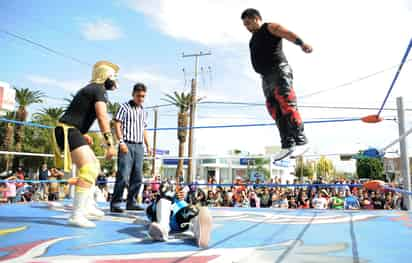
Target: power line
[
  {"x": 48, "y": 49},
  {"x": 241, "y": 117},
  {"x": 349, "y": 83},
  {"x": 300, "y": 106},
  {"x": 84, "y": 63}
]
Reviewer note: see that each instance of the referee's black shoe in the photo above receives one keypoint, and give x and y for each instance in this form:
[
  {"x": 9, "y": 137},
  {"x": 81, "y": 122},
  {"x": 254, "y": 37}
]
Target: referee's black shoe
[
  {"x": 134, "y": 207},
  {"x": 115, "y": 209}
]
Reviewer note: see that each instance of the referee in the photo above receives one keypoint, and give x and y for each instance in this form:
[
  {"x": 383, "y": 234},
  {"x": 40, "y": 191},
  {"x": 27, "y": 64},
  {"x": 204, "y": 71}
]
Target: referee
[{"x": 130, "y": 124}]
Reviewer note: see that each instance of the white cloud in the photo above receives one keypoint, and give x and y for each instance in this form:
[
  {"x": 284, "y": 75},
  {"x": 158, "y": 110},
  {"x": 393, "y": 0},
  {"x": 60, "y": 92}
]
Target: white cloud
[
  {"x": 198, "y": 21},
  {"x": 67, "y": 85},
  {"x": 156, "y": 81},
  {"x": 101, "y": 30}
]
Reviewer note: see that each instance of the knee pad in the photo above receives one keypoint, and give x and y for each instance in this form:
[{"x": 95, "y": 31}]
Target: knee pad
[{"x": 89, "y": 172}]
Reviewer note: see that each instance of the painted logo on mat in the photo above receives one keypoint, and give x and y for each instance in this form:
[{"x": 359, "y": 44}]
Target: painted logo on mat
[{"x": 124, "y": 239}]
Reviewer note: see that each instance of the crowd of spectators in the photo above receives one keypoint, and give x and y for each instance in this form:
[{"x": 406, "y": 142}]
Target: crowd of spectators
[
  {"x": 346, "y": 195},
  {"x": 342, "y": 196},
  {"x": 12, "y": 190}
]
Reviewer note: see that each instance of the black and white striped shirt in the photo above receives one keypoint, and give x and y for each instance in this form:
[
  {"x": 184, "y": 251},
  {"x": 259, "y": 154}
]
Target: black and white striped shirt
[{"x": 133, "y": 120}]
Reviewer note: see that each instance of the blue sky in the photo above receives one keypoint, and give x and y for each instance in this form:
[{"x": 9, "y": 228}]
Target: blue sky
[
  {"x": 59, "y": 25},
  {"x": 351, "y": 39}
]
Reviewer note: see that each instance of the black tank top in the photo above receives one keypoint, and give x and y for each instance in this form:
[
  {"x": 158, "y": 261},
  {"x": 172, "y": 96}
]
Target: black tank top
[
  {"x": 81, "y": 112},
  {"x": 266, "y": 51}
]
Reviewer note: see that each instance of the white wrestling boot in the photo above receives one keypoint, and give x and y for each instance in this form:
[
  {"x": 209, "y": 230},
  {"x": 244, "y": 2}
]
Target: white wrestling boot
[
  {"x": 159, "y": 230},
  {"x": 300, "y": 151},
  {"x": 201, "y": 226},
  {"x": 78, "y": 217},
  {"x": 92, "y": 212},
  {"x": 283, "y": 153}
]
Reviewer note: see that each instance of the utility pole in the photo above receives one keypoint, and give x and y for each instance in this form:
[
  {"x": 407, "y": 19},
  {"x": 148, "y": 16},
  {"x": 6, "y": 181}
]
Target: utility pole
[
  {"x": 302, "y": 167},
  {"x": 156, "y": 111},
  {"x": 191, "y": 164},
  {"x": 405, "y": 169}
]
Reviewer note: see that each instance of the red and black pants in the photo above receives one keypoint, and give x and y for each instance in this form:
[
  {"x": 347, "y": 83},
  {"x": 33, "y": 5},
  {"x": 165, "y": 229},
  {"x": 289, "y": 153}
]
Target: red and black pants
[{"x": 282, "y": 105}]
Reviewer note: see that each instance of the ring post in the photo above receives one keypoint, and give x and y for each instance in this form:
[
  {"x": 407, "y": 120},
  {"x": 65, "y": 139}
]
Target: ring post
[{"x": 405, "y": 169}]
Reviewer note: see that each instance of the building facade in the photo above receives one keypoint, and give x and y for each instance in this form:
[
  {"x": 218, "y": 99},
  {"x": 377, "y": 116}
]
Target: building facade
[{"x": 226, "y": 170}]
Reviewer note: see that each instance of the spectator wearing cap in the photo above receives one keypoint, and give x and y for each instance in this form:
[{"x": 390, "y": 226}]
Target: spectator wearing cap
[{"x": 319, "y": 202}]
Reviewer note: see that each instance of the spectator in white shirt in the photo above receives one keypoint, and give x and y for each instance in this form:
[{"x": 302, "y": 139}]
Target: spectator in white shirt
[{"x": 319, "y": 202}]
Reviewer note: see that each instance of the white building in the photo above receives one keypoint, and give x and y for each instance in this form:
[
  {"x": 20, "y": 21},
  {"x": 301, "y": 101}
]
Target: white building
[{"x": 225, "y": 170}]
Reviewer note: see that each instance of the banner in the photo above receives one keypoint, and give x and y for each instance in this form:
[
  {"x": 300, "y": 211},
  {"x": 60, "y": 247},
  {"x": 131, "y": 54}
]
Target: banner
[{"x": 7, "y": 97}]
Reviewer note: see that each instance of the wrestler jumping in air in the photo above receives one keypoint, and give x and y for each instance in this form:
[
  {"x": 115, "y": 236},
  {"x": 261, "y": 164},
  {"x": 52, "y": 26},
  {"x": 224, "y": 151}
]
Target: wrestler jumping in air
[
  {"x": 269, "y": 60},
  {"x": 169, "y": 213},
  {"x": 70, "y": 140}
]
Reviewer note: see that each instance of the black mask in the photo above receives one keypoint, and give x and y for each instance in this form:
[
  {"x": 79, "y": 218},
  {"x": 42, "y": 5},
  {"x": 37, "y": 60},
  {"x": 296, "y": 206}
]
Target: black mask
[{"x": 110, "y": 84}]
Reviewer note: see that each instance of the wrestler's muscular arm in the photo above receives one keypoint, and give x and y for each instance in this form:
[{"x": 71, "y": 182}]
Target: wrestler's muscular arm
[
  {"x": 282, "y": 32},
  {"x": 103, "y": 120}
]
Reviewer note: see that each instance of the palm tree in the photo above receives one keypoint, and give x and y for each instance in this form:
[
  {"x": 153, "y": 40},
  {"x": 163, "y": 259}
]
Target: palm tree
[
  {"x": 182, "y": 101},
  {"x": 8, "y": 137},
  {"x": 112, "y": 109},
  {"x": 69, "y": 100},
  {"x": 49, "y": 116},
  {"x": 324, "y": 168},
  {"x": 24, "y": 98}
]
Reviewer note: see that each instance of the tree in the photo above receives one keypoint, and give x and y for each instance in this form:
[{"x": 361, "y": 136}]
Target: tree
[
  {"x": 147, "y": 168},
  {"x": 182, "y": 101},
  {"x": 371, "y": 168},
  {"x": 69, "y": 100},
  {"x": 307, "y": 171},
  {"x": 325, "y": 168},
  {"x": 7, "y": 138},
  {"x": 237, "y": 151},
  {"x": 112, "y": 109},
  {"x": 259, "y": 165},
  {"x": 39, "y": 140},
  {"x": 24, "y": 98},
  {"x": 49, "y": 116}
]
